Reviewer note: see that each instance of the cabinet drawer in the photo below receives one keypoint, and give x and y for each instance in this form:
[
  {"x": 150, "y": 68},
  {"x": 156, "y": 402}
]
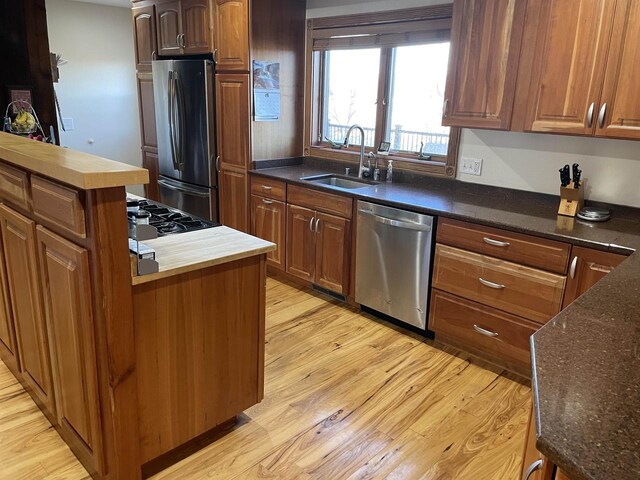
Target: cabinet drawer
[
  {"x": 321, "y": 201},
  {"x": 525, "y": 249},
  {"x": 60, "y": 205},
  {"x": 14, "y": 186},
  {"x": 527, "y": 292},
  {"x": 496, "y": 334},
  {"x": 267, "y": 187}
]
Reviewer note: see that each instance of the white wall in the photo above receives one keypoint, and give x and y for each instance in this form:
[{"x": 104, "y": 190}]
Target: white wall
[
  {"x": 97, "y": 86},
  {"x": 528, "y": 161}
]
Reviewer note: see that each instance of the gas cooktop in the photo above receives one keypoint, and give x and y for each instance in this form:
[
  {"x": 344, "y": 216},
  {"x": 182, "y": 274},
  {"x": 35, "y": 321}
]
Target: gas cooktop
[{"x": 166, "y": 220}]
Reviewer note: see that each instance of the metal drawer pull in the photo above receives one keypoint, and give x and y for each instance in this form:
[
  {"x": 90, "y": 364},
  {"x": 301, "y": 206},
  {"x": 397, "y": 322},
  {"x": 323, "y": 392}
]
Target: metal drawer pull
[
  {"x": 574, "y": 265},
  {"x": 602, "y": 115},
  {"x": 495, "y": 243},
  {"x": 267, "y": 187},
  {"x": 484, "y": 331},
  {"x": 311, "y": 223},
  {"x": 590, "y": 115},
  {"x": 489, "y": 284},
  {"x": 396, "y": 223},
  {"x": 317, "y": 225},
  {"x": 537, "y": 465},
  {"x": 268, "y": 202}
]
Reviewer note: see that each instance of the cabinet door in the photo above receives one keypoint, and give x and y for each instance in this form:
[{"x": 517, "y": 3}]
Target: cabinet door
[
  {"x": 587, "y": 267},
  {"x": 234, "y": 211},
  {"x": 569, "y": 55},
  {"x": 232, "y": 35},
  {"x": 66, "y": 287},
  {"x": 168, "y": 24},
  {"x": 620, "y": 104},
  {"x": 19, "y": 243},
  {"x": 333, "y": 250},
  {"x": 150, "y": 162},
  {"x": 144, "y": 36},
  {"x": 301, "y": 242},
  {"x": 535, "y": 465},
  {"x": 196, "y": 26},
  {"x": 147, "y": 111},
  {"x": 485, "y": 48},
  {"x": 234, "y": 120},
  {"x": 269, "y": 222},
  {"x": 8, "y": 344}
]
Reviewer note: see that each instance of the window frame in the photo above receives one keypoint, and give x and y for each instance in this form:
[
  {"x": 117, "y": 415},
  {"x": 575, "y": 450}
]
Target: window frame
[{"x": 440, "y": 165}]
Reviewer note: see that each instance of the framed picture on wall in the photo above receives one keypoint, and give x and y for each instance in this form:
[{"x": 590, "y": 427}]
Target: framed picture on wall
[{"x": 22, "y": 95}]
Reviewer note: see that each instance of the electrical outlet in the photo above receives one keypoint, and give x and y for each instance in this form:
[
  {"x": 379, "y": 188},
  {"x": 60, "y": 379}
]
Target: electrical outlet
[
  {"x": 67, "y": 123},
  {"x": 471, "y": 166}
]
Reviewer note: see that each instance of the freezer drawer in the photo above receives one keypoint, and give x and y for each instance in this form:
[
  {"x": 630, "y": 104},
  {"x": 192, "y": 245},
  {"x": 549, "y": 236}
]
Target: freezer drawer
[
  {"x": 198, "y": 201},
  {"x": 393, "y": 254}
]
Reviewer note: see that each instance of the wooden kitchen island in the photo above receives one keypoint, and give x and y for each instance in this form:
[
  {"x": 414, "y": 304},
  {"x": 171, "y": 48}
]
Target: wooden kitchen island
[{"x": 126, "y": 368}]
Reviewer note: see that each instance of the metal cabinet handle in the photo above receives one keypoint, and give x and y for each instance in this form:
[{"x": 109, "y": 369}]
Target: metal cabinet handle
[
  {"x": 317, "y": 225},
  {"x": 484, "y": 331},
  {"x": 590, "y": 115},
  {"x": 215, "y": 55},
  {"x": 266, "y": 187},
  {"x": 574, "y": 266},
  {"x": 537, "y": 465},
  {"x": 218, "y": 163},
  {"x": 154, "y": 55},
  {"x": 444, "y": 108},
  {"x": 602, "y": 115},
  {"x": 311, "y": 224},
  {"x": 495, "y": 243},
  {"x": 489, "y": 284}
]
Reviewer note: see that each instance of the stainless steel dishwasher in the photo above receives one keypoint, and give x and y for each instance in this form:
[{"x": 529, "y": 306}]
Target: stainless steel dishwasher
[{"x": 393, "y": 256}]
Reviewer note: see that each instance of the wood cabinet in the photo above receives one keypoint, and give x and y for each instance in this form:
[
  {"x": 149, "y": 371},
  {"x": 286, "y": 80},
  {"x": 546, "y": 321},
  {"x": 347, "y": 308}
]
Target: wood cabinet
[
  {"x": 535, "y": 466},
  {"x": 184, "y": 27},
  {"x": 318, "y": 248},
  {"x": 232, "y": 35},
  {"x": 169, "y": 28},
  {"x": 587, "y": 267},
  {"x": 148, "y": 133},
  {"x": 483, "y": 64},
  {"x": 144, "y": 36},
  {"x": 66, "y": 287},
  {"x": 234, "y": 209},
  {"x": 20, "y": 253},
  {"x": 269, "y": 222},
  {"x": 8, "y": 342},
  {"x": 150, "y": 162}
]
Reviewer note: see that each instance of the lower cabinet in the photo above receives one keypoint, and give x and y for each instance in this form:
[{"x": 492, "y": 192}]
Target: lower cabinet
[
  {"x": 8, "y": 343},
  {"x": 66, "y": 287},
  {"x": 534, "y": 465},
  {"x": 19, "y": 243},
  {"x": 268, "y": 221},
  {"x": 318, "y": 248},
  {"x": 233, "y": 199},
  {"x": 150, "y": 162}
]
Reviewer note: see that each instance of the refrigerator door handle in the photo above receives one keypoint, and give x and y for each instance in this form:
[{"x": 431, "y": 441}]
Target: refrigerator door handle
[
  {"x": 172, "y": 135},
  {"x": 182, "y": 120},
  {"x": 183, "y": 189}
]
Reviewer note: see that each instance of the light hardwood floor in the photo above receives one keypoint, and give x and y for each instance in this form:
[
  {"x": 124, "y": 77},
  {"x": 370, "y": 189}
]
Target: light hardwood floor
[{"x": 347, "y": 397}]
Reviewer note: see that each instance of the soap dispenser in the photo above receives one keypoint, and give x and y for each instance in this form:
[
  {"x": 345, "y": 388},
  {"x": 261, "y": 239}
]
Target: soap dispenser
[{"x": 389, "y": 178}]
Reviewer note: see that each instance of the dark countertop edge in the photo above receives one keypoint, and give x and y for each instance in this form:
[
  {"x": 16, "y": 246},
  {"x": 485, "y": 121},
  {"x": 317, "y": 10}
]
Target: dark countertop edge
[{"x": 607, "y": 247}]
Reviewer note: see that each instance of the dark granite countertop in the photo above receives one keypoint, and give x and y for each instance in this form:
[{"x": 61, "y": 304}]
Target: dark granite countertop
[{"x": 586, "y": 361}]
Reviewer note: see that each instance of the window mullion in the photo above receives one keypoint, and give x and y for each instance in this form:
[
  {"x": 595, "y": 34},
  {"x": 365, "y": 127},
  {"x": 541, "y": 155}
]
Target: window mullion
[{"x": 383, "y": 95}]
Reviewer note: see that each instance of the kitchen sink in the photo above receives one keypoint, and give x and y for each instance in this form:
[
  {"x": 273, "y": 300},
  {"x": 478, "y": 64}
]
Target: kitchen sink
[{"x": 338, "y": 181}]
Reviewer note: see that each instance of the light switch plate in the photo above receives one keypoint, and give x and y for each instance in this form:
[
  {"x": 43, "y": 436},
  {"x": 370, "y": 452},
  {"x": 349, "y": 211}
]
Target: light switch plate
[
  {"x": 67, "y": 123},
  {"x": 471, "y": 166}
]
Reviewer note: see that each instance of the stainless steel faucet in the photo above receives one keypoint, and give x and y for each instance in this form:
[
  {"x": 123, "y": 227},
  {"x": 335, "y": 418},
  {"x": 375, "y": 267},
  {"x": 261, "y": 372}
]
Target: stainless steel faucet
[{"x": 361, "y": 168}]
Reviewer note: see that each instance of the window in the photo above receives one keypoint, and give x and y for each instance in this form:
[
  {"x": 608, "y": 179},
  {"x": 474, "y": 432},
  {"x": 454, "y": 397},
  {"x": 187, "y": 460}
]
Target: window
[{"x": 388, "y": 77}]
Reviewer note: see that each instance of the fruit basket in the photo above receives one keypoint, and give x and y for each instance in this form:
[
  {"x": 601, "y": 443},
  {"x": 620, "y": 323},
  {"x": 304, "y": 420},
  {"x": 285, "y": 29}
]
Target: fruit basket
[{"x": 25, "y": 121}]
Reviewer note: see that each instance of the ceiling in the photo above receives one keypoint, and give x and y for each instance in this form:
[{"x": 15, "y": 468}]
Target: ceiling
[{"x": 113, "y": 3}]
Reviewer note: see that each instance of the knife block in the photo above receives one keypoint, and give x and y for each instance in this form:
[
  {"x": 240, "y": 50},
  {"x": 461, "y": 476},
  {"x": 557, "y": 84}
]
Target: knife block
[{"x": 571, "y": 200}]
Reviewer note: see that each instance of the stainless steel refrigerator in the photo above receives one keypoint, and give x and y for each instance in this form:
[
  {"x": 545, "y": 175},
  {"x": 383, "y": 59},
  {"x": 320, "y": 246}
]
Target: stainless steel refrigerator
[{"x": 184, "y": 101}]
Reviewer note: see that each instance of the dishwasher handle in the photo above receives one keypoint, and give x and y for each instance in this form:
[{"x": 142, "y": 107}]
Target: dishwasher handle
[{"x": 396, "y": 223}]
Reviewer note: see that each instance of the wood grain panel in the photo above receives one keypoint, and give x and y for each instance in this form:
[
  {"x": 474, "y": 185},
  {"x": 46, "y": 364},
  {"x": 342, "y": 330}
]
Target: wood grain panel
[
  {"x": 530, "y": 293},
  {"x": 144, "y": 36},
  {"x": 569, "y": 54},
  {"x": 8, "y": 341},
  {"x": 60, "y": 205},
  {"x": 269, "y": 222},
  {"x": 14, "y": 187},
  {"x": 168, "y": 26},
  {"x": 531, "y": 251},
  {"x": 333, "y": 253},
  {"x": 483, "y": 63},
  {"x": 590, "y": 267},
  {"x": 621, "y": 94},
  {"x": 233, "y": 111},
  {"x": 196, "y": 27},
  {"x": 321, "y": 201},
  {"x": 150, "y": 162},
  {"x": 234, "y": 199},
  {"x": 267, "y": 187},
  {"x": 20, "y": 253},
  {"x": 147, "y": 106},
  {"x": 197, "y": 373},
  {"x": 301, "y": 242},
  {"x": 232, "y": 35},
  {"x": 455, "y": 317},
  {"x": 66, "y": 286}
]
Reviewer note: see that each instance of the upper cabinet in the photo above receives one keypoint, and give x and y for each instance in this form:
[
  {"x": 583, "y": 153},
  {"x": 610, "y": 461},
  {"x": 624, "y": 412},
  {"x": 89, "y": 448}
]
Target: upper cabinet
[
  {"x": 485, "y": 47},
  {"x": 184, "y": 27},
  {"x": 569, "y": 48},
  {"x": 232, "y": 35},
  {"x": 144, "y": 29}
]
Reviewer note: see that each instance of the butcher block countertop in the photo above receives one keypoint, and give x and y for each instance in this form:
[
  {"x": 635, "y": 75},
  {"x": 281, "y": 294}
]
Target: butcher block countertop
[
  {"x": 80, "y": 170},
  {"x": 186, "y": 252}
]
